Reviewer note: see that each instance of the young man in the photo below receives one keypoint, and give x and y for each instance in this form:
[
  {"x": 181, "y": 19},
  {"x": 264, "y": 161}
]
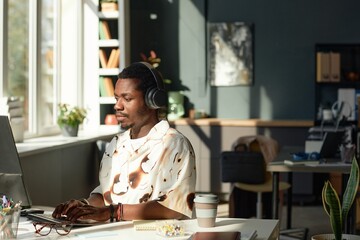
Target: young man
[{"x": 148, "y": 171}]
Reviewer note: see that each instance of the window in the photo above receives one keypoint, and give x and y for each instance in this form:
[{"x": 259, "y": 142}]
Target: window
[{"x": 30, "y": 60}]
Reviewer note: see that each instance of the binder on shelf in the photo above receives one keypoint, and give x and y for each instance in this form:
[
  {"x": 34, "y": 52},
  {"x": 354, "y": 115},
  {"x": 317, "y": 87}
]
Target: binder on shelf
[
  {"x": 103, "y": 58},
  {"x": 334, "y": 67},
  {"x": 323, "y": 67}
]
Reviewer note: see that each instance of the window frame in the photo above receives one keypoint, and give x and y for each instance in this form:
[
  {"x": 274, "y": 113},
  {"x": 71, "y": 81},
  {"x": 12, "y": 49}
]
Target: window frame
[{"x": 64, "y": 54}]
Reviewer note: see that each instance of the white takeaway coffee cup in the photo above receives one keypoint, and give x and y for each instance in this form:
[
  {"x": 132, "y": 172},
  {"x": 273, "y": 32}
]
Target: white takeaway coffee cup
[{"x": 206, "y": 209}]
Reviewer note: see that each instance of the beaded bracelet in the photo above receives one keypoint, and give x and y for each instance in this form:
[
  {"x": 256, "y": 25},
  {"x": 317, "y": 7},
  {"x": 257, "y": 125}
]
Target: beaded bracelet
[{"x": 111, "y": 207}]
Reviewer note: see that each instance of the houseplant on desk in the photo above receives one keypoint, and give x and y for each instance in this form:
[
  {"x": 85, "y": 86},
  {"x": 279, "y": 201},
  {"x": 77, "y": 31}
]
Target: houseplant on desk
[
  {"x": 70, "y": 118},
  {"x": 336, "y": 211}
]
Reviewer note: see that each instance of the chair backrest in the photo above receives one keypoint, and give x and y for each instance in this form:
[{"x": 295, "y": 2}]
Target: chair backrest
[{"x": 245, "y": 167}]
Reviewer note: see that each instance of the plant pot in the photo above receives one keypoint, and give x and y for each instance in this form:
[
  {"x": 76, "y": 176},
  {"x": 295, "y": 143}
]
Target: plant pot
[
  {"x": 69, "y": 131},
  {"x": 330, "y": 236},
  {"x": 176, "y": 105}
]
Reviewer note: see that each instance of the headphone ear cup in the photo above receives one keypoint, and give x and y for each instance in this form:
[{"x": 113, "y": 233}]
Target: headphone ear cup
[{"x": 156, "y": 98}]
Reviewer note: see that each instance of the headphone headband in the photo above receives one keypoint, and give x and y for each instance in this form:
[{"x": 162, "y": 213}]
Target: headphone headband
[
  {"x": 158, "y": 79},
  {"x": 155, "y": 98}
]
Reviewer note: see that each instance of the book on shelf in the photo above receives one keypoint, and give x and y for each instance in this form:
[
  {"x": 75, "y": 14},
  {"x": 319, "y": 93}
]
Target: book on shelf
[
  {"x": 102, "y": 89},
  {"x": 104, "y": 30},
  {"x": 109, "y": 87},
  {"x": 109, "y": 6},
  {"x": 103, "y": 58},
  {"x": 114, "y": 58},
  {"x": 106, "y": 87},
  {"x": 101, "y": 31},
  {"x": 116, "y": 62}
]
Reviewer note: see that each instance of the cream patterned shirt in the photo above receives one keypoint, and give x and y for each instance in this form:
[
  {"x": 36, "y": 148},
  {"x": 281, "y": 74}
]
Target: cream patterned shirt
[{"x": 159, "y": 166}]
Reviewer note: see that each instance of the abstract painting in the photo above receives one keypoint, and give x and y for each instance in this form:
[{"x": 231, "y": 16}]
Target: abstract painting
[{"x": 230, "y": 53}]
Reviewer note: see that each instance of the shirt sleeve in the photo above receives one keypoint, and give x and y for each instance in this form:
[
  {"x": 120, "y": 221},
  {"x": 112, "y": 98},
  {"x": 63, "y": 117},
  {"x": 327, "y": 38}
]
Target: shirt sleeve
[
  {"x": 110, "y": 147},
  {"x": 179, "y": 169}
]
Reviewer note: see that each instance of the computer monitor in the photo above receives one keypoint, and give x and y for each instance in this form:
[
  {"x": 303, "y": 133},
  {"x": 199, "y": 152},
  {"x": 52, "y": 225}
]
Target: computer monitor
[
  {"x": 331, "y": 144},
  {"x": 11, "y": 176}
]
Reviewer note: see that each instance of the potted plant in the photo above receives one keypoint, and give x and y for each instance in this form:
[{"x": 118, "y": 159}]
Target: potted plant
[
  {"x": 336, "y": 210},
  {"x": 70, "y": 118}
]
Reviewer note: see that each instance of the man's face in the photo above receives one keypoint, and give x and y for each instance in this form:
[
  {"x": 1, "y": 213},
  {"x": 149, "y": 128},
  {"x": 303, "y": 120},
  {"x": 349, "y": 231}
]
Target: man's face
[{"x": 130, "y": 107}]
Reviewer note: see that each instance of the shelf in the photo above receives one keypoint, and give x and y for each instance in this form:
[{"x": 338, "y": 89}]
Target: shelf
[
  {"x": 109, "y": 71},
  {"x": 108, "y": 15},
  {"x": 109, "y": 43},
  {"x": 107, "y": 100},
  {"x": 337, "y": 78}
]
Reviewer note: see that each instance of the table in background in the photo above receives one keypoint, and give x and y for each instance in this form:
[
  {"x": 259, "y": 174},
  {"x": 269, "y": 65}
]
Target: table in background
[
  {"x": 267, "y": 229},
  {"x": 278, "y": 166}
]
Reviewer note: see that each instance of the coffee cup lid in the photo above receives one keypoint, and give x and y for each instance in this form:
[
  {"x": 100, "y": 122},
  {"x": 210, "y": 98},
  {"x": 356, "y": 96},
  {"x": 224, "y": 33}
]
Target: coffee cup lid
[{"x": 206, "y": 198}]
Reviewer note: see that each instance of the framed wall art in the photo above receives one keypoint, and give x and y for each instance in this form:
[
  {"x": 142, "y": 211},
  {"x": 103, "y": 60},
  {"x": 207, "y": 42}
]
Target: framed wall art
[{"x": 230, "y": 51}]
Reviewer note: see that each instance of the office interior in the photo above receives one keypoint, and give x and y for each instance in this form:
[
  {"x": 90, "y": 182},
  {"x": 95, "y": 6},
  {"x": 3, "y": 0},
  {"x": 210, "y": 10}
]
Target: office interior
[{"x": 282, "y": 102}]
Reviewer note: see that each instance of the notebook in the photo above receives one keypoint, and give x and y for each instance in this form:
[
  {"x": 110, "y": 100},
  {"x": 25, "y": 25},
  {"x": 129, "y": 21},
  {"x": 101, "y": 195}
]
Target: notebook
[
  {"x": 216, "y": 236},
  {"x": 11, "y": 176}
]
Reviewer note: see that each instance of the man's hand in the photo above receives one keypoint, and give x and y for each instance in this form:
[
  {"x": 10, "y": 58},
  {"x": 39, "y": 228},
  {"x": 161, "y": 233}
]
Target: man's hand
[
  {"x": 75, "y": 209},
  {"x": 88, "y": 212},
  {"x": 64, "y": 208}
]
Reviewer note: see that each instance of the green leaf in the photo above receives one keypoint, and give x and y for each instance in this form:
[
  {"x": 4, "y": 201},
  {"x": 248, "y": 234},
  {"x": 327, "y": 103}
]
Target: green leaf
[
  {"x": 351, "y": 188},
  {"x": 333, "y": 206}
]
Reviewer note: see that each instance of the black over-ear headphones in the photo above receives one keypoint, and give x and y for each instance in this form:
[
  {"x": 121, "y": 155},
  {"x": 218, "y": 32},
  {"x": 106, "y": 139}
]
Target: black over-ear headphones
[{"x": 155, "y": 97}]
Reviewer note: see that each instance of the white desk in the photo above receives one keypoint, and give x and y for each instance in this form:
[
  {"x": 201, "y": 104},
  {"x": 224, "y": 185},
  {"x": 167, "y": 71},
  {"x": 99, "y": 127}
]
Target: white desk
[
  {"x": 277, "y": 167},
  {"x": 267, "y": 229}
]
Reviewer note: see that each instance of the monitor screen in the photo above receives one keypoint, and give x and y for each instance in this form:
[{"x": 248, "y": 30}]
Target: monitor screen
[
  {"x": 331, "y": 144},
  {"x": 11, "y": 175}
]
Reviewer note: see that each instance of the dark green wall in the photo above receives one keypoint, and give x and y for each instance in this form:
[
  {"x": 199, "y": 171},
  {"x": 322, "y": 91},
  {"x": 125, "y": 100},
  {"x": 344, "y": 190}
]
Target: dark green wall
[{"x": 285, "y": 34}]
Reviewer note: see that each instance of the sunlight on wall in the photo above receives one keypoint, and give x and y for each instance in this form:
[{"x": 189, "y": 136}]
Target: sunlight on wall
[{"x": 266, "y": 106}]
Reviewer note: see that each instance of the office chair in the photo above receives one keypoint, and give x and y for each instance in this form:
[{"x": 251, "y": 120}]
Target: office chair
[
  {"x": 245, "y": 168},
  {"x": 249, "y": 155}
]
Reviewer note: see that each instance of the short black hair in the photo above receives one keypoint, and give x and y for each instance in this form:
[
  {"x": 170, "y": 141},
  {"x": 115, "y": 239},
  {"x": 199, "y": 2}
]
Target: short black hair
[{"x": 139, "y": 71}]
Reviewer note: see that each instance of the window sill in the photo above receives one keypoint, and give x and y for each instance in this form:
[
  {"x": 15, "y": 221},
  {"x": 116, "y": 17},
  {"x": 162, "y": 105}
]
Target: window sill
[{"x": 43, "y": 144}]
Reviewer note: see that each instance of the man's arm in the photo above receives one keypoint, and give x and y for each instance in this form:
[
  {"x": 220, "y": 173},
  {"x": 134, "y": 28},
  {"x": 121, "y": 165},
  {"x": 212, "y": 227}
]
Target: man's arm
[
  {"x": 96, "y": 200},
  {"x": 148, "y": 210}
]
